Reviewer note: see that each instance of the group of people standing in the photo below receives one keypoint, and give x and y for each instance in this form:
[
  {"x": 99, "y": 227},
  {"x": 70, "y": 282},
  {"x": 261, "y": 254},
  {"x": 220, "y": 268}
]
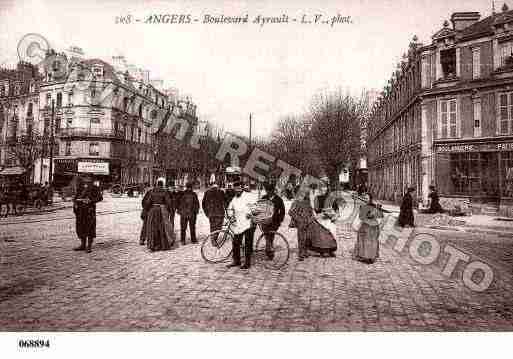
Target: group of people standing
[
  {"x": 311, "y": 215},
  {"x": 159, "y": 207}
]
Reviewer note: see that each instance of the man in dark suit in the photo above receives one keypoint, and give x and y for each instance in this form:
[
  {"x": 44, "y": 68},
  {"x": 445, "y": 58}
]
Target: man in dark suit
[
  {"x": 277, "y": 218},
  {"x": 174, "y": 194},
  {"x": 188, "y": 210},
  {"x": 213, "y": 205},
  {"x": 84, "y": 207}
]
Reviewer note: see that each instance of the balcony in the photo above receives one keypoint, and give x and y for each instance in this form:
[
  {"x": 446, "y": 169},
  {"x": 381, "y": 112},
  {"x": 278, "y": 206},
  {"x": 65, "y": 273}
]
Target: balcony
[{"x": 90, "y": 132}]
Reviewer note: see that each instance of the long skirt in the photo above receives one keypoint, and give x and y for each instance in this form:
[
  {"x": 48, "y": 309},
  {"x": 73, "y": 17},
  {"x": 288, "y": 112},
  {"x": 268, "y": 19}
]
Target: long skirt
[
  {"x": 157, "y": 230},
  {"x": 85, "y": 224},
  {"x": 320, "y": 239},
  {"x": 406, "y": 217},
  {"x": 367, "y": 244}
]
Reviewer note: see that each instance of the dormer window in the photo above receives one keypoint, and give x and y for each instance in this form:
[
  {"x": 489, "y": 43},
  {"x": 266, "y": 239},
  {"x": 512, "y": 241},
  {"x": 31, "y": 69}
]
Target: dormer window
[{"x": 448, "y": 62}]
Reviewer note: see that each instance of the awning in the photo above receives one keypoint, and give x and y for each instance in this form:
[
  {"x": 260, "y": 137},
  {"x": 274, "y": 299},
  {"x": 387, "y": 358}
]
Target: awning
[{"x": 12, "y": 171}]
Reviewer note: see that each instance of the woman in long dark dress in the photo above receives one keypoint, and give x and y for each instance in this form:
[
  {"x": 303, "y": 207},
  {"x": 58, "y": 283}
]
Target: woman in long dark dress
[
  {"x": 367, "y": 244},
  {"x": 406, "y": 217},
  {"x": 157, "y": 231}
]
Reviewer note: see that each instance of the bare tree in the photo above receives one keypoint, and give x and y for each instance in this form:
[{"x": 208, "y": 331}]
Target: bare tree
[
  {"x": 336, "y": 124},
  {"x": 26, "y": 149}
]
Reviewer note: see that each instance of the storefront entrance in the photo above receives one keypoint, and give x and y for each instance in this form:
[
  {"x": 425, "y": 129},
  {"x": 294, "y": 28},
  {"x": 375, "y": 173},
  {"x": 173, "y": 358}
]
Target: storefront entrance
[
  {"x": 468, "y": 174},
  {"x": 480, "y": 172}
]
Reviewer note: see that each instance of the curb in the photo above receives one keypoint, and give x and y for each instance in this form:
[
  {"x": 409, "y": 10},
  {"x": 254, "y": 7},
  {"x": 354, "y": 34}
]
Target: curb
[{"x": 40, "y": 212}]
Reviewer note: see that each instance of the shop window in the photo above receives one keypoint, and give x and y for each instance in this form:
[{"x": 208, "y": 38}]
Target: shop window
[
  {"x": 94, "y": 149},
  {"x": 448, "y": 62},
  {"x": 68, "y": 148},
  {"x": 470, "y": 174},
  {"x": 505, "y": 113},
  {"x": 448, "y": 127},
  {"x": 506, "y": 175}
]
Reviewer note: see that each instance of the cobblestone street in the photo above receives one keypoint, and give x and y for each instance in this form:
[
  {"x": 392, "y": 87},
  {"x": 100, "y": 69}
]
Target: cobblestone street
[{"x": 46, "y": 286}]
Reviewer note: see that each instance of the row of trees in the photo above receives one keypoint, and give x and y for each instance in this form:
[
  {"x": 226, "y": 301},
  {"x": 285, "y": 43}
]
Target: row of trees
[{"x": 318, "y": 142}]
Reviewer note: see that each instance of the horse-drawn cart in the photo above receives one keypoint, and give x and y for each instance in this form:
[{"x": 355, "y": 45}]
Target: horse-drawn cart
[{"x": 16, "y": 199}]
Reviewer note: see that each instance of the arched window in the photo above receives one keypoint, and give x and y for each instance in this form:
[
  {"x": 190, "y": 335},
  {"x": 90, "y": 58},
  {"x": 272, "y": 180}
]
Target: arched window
[{"x": 140, "y": 110}]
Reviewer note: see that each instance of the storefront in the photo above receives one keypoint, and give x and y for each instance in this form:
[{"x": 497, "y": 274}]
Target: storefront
[
  {"x": 106, "y": 171},
  {"x": 481, "y": 172}
]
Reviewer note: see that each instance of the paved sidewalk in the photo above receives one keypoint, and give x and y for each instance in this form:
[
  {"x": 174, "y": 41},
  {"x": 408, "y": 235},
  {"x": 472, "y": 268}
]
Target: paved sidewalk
[{"x": 475, "y": 222}]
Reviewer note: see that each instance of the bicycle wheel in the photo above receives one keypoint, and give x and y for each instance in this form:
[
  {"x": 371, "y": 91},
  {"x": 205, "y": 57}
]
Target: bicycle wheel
[
  {"x": 279, "y": 248},
  {"x": 217, "y": 246}
]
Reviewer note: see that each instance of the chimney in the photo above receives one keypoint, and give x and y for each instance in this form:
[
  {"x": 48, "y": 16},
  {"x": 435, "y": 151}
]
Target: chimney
[{"x": 462, "y": 20}]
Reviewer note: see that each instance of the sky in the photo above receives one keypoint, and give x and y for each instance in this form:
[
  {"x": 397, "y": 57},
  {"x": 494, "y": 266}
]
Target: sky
[{"x": 231, "y": 70}]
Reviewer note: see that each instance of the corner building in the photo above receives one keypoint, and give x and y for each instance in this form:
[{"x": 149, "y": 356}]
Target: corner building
[{"x": 446, "y": 117}]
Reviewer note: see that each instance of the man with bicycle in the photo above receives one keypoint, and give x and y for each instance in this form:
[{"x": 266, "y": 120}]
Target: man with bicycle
[
  {"x": 277, "y": 218},
  {"x": 243, "y": 227}
]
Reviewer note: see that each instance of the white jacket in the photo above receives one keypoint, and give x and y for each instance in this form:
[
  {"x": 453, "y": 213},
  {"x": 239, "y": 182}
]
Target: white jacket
[{"x": 239, "y": 208}]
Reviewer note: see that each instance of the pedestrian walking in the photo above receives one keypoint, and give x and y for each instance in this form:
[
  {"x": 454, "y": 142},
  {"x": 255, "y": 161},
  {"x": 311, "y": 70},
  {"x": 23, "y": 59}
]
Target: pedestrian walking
[
  {"x": 276, "y": 220},
  {"x": 157, "y": 230},
  {"x": 301, "y": 217},
  {"x": 213, "y": 205},
  {"x": 367, "y": 244},
  {"x": 188, "y": 210},
  {"x": 84, "y": 207},
  {"x": 406, "y": 217}
]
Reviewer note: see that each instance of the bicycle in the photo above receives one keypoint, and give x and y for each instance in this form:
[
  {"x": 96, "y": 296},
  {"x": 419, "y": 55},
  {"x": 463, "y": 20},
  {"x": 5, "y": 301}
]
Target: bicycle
[{"x": 217, "y": 246}]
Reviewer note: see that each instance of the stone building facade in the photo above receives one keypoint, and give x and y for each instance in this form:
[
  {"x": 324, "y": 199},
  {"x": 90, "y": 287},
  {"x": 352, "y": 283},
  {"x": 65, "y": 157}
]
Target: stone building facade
[
  {"x": 103, "y": 120},
  {"x": 452, "y": 127},
  {"x": 19, "y": 113}
]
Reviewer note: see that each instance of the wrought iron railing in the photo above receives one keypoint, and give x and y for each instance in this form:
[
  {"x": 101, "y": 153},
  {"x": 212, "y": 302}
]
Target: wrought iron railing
[{"x": 90, "y": 132}]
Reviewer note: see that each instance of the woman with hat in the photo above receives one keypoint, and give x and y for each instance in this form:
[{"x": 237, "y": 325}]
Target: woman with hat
[
  {"x": 157, "y": 231},
  {"x": 84, "y": 207}
]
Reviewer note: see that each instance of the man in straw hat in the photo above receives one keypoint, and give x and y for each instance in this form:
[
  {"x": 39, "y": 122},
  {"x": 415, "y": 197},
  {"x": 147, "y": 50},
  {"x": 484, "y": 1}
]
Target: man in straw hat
[{"x": 84, "y": 207}]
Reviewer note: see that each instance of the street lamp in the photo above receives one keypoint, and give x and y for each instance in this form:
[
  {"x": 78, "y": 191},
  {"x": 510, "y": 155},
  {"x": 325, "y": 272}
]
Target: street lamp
[{"x": 52, "y": 140}]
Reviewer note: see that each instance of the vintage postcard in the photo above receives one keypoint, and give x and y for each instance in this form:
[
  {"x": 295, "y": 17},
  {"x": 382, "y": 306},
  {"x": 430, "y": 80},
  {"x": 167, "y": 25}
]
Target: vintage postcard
[{"x": 264, "y": 166}]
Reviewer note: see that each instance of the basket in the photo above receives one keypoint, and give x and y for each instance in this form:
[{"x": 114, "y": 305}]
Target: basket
[{"x": 262, "y": 212}]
